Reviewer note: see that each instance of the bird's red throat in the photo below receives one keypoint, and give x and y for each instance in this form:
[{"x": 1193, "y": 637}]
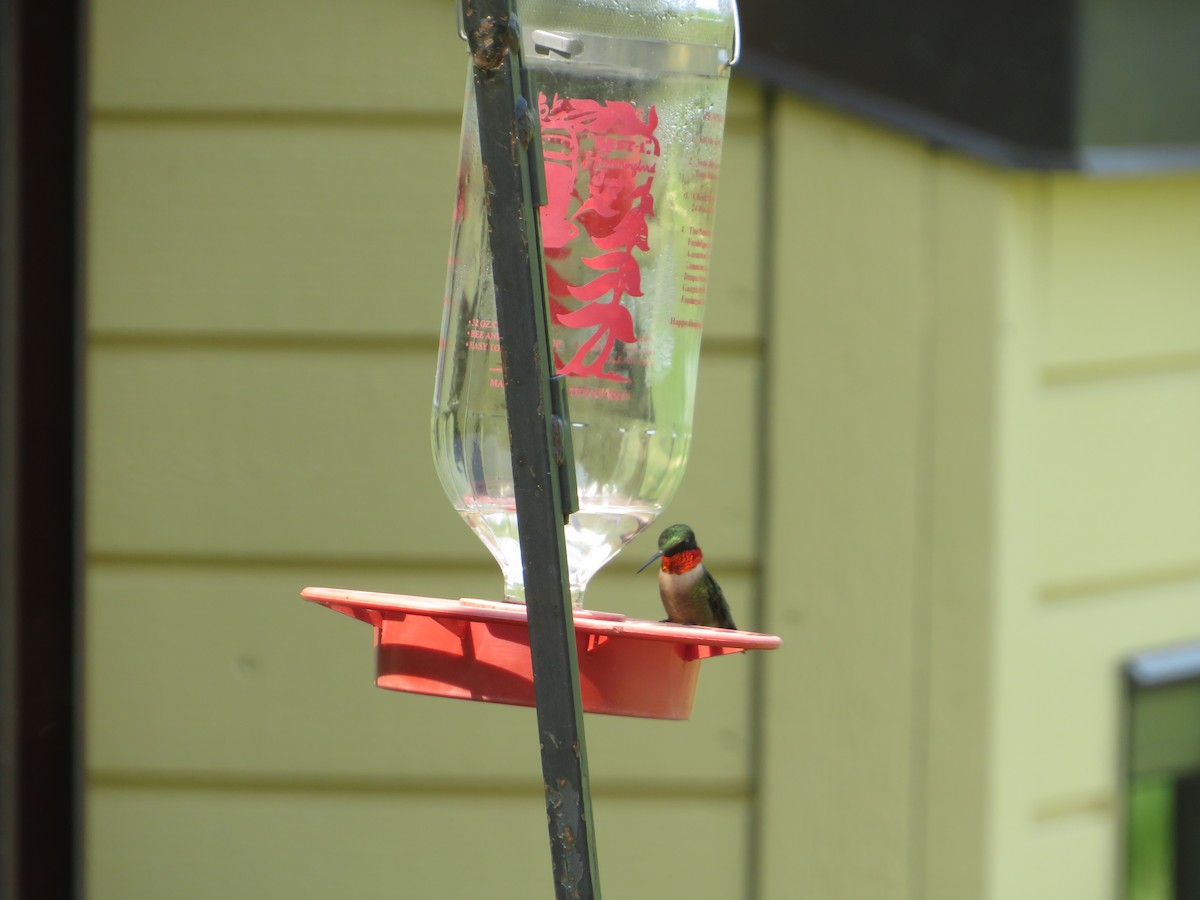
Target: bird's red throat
[{"x": 683, "y": 561}]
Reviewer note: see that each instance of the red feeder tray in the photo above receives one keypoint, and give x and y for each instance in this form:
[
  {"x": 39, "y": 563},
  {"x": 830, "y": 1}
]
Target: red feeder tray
[{"x": 479, "y": 650}]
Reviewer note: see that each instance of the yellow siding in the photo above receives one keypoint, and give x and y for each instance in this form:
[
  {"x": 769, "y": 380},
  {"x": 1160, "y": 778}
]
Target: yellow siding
[
  {"x": 259, "y": 451},
  {"x": 970, "y": 205},
  {"x": 847, "y": 407},
  {"x": 1122, "y": 272},
  {"x": 1068, "y": 859},
  {"x": 1121, "y": 479},
  {"x": 277, "y": 56},
  {"x": 980, "y": 494},
  {"x": 1074, "y": 650},
  {"x": 1099, "y": 543},
  {"x": 317, "y": 227},
  {"x": 270, "y": 195},
  {"x": 891, "y": 264},
  {"x": 230, "y": 227},
  {"x": 220, "y": 672},
  {"x": 215, "y": 844},
  {"x": 986, "y": 501}
]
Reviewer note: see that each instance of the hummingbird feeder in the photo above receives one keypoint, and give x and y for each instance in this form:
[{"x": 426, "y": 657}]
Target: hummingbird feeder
[
  {"x": 562, "y": 408},
  {"x": 629, "y": 101}
]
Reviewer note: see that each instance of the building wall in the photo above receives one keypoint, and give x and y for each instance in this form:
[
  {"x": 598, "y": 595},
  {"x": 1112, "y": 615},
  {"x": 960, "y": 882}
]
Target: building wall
[
  {"x": 947, "y": 445},
  {"x": 269, "y": 212},
  {"x": 984, "y": 395},
  {"x": 1099, "y": 514}
]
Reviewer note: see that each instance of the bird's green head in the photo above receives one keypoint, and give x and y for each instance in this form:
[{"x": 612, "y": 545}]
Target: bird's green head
[{"x": 676, "y": 539}]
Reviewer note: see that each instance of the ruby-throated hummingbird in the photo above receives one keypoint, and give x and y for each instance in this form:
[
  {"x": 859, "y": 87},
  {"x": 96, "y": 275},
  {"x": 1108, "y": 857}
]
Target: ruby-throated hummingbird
[{"x": 689, "y": 594}]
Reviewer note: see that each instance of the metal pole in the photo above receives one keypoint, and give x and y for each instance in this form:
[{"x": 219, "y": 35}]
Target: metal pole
[{"x": 510, "y": 146}]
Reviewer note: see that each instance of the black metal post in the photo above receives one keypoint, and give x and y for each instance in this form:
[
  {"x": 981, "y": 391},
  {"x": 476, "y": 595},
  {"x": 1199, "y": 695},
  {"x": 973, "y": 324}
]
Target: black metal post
[
  {"x": 41, "y": 136},
  {"x": 510, "y": 145}
]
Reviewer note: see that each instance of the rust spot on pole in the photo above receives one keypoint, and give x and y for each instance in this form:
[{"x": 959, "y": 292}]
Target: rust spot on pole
[
  {"x": 563, "y": 803},
  {"x": 490, "y": 44}
]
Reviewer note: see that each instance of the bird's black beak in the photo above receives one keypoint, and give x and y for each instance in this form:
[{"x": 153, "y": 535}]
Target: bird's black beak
[{"x": 652, "y": 559}]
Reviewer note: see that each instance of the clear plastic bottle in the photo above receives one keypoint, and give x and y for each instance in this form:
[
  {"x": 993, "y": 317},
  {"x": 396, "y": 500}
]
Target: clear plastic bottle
[{"x": 632, "y": 106}]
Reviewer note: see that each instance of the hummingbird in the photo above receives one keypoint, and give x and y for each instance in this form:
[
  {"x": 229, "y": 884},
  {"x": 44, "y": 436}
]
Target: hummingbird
[{"x": 689, "y": 594}]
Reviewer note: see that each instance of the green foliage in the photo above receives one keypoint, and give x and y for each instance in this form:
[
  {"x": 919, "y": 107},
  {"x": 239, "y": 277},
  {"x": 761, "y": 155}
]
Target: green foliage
[{"x": 1150, "y": 808}]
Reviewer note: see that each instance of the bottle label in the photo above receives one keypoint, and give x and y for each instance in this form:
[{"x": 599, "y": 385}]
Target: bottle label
[{"x": 600, "y": 161}]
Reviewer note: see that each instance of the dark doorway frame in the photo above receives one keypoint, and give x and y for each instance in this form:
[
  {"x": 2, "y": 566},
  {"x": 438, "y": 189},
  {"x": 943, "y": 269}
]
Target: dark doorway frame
[{"x": 42, "y": 140}]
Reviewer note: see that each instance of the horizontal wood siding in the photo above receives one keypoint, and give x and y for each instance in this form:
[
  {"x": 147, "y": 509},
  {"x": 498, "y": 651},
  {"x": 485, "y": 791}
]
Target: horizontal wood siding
[
  {"x": 984, "y": 448},
  {"x": 270, "y": 196},
  {"x": 1122, "y": 272},
  {"x": 277, "y": 56},
  {"x": 1102, "y": 539},
  {"x": 973, "y": 491},
  {"x": 217, "y": 672},
  {"x": 214, "y": 844}
]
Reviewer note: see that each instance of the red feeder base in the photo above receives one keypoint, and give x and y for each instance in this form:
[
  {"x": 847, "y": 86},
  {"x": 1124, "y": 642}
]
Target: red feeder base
[{"x": 479, "y": 650}]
